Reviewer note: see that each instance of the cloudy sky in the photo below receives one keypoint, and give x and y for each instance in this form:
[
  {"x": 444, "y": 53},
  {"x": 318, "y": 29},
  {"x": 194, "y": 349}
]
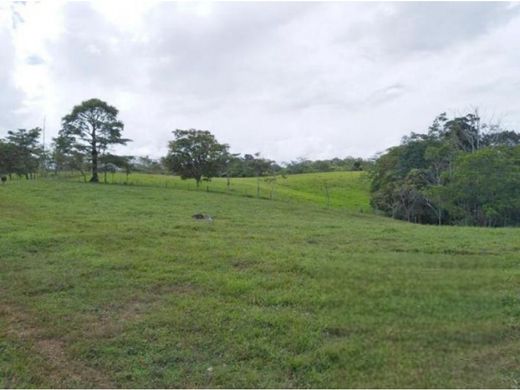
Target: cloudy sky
[{"x": 289, "y": 80}]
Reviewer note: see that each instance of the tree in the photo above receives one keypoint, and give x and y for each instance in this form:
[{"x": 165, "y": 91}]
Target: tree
[
  {"x": 111, "y": 163},
  {"x": 91, "y": 128},
  {"x": 249, "y": 166},
  {"x": 501, "y": 138},
  {"x": 23, "y": 151},
  {"x": 147, "y": 165},
  {"x": 260, "y": 167},
  {"x": 303, "y": 165},
  {"x": 7, "y": 158},
  {"x": 485, "y": 187},
  {"x": 456, "y": 174},
  {"x": 61, "y": 153},
  {"x": 196, "y": 154},
  {"x": 66, "y": 157},
  {"x": 465, "y": 132}
]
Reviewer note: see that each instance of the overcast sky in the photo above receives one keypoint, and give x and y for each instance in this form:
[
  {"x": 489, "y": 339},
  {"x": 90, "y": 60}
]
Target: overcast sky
[{"x": 289, "y": 80}]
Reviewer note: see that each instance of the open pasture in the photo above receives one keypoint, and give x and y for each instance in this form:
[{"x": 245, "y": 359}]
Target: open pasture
[
  {"x": 117, "y": 286},
  {"x": 348, "y": 190}
]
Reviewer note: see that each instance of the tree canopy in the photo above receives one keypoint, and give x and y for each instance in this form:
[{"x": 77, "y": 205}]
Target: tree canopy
[{"x": 460, "y": 172}]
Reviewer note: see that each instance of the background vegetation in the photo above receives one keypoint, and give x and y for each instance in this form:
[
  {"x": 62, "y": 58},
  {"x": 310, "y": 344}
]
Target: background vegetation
[{"x": 460, "y": 172}]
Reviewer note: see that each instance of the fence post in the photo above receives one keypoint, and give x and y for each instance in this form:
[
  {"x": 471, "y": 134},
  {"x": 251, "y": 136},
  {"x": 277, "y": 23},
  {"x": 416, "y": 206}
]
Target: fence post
[{"x": 327, "y": 193}]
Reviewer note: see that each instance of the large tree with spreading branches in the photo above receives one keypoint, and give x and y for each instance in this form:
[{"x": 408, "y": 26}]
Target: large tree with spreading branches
[
  {"x": 196, "y": 154},
  {"x": 91, "y": 128}
]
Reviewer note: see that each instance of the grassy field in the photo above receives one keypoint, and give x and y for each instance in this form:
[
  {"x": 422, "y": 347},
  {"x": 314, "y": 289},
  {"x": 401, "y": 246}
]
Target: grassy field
[
  {"x": 347, "y": 190},
  {"x": 117, "y": 286}
]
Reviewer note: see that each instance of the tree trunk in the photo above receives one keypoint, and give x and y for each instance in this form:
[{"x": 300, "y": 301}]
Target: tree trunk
[{"x": 95, "y": 177}]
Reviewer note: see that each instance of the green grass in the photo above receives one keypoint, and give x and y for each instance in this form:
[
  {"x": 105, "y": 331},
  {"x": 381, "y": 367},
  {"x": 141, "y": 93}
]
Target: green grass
[
  {"x": 118, "y": 286},
  {"x": 347, "y": 190}
]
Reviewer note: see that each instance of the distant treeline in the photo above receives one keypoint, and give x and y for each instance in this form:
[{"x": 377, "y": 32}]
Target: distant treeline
[
  {"x": 83, "y": 143},
  {"x": 335, "y": 164},
  {"x": 254, "y": 165},
  {"x": 461, "y": 171},
  {"x": 22, "y": 155}
]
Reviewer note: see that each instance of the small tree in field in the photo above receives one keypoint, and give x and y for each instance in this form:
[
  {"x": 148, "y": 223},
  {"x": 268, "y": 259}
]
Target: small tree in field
[
  {"x": 23, "y": 152},
  {"x": 196, "y": 154},
  {"x": 91, "y": 128}
]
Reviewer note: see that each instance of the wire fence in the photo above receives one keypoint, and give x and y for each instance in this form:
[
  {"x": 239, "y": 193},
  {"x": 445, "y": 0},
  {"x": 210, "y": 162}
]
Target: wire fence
[{"x": 318, "y": 191}]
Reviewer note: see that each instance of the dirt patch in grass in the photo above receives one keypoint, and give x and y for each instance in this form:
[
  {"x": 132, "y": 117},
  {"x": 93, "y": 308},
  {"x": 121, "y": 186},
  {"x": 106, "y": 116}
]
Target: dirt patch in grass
[
  {"x": 112, "y": 319},
  {"x": 61, "y": 369},
  {"x": 500, "y": 359},
  {"x": 165, "y": 289},
  {"x": 337, "y": 331},
  {"x": 243, "y": 264}
]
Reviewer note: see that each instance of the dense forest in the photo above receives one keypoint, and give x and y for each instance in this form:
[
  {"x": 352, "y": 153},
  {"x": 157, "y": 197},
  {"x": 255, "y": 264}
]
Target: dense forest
[{"x": 461, "y": 171}]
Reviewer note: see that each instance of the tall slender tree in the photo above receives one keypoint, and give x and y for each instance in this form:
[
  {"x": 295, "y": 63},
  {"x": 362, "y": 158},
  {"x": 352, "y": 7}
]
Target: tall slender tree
[{"x": 92, "y": 127}]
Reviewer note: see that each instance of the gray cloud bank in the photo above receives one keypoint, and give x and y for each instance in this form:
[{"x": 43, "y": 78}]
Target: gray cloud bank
[{"x": 290, "y": 80}]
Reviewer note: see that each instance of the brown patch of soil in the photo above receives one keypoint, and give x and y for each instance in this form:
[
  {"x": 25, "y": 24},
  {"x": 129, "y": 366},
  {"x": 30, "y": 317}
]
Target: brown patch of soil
[{"x": 62, "y": 370}]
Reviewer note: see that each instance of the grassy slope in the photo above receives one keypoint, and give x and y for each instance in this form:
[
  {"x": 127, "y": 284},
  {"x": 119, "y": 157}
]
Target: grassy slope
[
  {"x": 347, "y": 190},
  {"x": 132, "y": 292}
]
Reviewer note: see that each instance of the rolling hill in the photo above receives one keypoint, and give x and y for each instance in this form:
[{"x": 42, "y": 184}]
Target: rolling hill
[{"x": 118, "y": 286}]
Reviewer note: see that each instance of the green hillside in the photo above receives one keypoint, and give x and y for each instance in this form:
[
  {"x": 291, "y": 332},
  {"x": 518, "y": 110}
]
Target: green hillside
[
  {"x": 347, "y": 190},
  {"x": 118, "y": 286}
]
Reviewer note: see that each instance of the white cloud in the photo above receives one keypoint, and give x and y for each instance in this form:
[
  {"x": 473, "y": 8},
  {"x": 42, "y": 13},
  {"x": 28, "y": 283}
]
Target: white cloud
[{"x": 290, "y": 80}]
